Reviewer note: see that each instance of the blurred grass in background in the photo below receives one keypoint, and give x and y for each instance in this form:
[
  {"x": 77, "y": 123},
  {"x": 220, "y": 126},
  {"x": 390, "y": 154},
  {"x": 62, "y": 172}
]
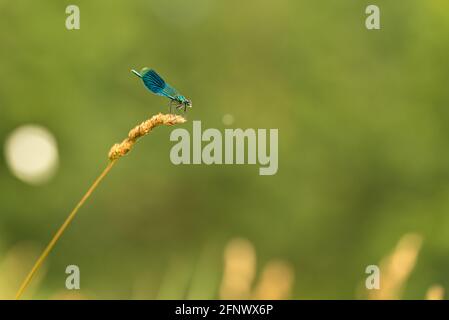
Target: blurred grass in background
[{"x": 362, "y": 118}]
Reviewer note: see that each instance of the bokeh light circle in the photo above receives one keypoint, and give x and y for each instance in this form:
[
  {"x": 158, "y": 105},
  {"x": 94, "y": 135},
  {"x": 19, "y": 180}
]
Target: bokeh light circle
[
  {"x": 228, "y": 119},
  {"x": 31, "y": 154}
]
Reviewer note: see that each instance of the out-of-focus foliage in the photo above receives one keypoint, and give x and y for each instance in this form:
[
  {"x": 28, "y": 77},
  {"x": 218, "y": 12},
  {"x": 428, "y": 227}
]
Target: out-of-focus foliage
[{"x": 363, "y": 135}]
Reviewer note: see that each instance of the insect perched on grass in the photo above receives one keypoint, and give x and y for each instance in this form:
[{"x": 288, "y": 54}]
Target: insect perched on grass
[{"x": 158, "y": 86}]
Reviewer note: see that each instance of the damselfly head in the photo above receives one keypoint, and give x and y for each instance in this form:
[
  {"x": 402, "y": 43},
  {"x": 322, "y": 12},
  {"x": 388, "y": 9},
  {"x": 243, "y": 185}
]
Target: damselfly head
[{"x": 184, "y": 101}]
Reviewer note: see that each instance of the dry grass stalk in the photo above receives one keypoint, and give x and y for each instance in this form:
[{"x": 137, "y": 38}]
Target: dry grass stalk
[
  {"x": 239, "y": 270},
  {"x": 276, "y": 281},
  {"x": 116, "y": 152},
  {"x": 120, "y": 149},
  {"x": 396, "y": 268},
  {"x": 435, "y": 292}
]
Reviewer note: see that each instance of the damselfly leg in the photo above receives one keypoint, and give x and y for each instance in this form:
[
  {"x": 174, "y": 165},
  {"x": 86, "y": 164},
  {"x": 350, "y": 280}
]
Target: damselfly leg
[
  {"x": 170, "y": 106},
  {"x": 181, "y": 106}
]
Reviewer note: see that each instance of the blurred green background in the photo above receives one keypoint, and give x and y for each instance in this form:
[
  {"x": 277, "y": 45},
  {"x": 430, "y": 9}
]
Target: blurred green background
[{"x": 363, "y": 135}]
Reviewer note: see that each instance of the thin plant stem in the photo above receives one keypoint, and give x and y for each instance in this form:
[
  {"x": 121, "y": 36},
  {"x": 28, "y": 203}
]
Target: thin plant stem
[
  {"x": 117, "y": 151},
  {"x": 61, "y": 230}
]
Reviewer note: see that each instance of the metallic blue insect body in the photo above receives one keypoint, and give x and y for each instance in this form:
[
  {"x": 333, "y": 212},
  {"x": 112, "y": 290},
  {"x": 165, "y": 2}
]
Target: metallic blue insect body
[{"x": 158, "y": 86}]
